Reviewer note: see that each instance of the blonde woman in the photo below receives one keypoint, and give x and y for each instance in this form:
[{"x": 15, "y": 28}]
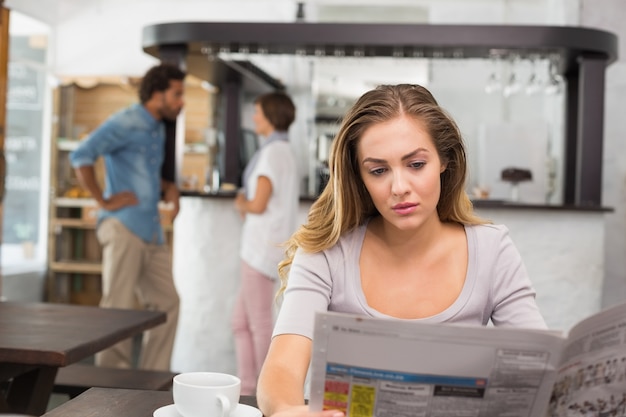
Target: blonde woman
[{"x": 392, "y": 235}]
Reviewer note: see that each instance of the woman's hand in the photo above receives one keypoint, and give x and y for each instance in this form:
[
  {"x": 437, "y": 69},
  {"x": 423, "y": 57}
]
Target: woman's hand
[
  {"x": 303, "y": 411},
  {"x": 240, "y": 204},
  {"x": 171, "y": 195},
  {"x": 280, "y": 391}
]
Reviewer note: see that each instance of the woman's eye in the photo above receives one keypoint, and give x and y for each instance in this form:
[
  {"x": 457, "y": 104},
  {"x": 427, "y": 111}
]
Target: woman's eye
[
  {"x": 418, "y": 164},
  {"x": 377, "y": 171}
]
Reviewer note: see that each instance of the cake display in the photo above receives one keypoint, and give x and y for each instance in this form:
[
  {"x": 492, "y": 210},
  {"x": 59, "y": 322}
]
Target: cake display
[{"x": 516, "y": 175}]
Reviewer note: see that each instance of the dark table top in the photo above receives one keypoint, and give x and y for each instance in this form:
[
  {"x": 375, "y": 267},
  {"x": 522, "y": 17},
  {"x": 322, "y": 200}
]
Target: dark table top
[
  {"x": 38, "y": 338},
  {"x": 109, "y": 402},
  {"x": 60, "y": 334}
]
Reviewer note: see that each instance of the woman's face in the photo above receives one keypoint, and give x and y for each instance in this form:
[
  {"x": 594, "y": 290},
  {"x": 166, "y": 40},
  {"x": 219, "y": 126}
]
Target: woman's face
[
  {"x": 262, "y": 126},
  {"x": 401, "y": 170}
]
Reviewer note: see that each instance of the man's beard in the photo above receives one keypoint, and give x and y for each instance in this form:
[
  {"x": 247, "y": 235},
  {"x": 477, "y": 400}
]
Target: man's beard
[{"x": 170, "y": 115}]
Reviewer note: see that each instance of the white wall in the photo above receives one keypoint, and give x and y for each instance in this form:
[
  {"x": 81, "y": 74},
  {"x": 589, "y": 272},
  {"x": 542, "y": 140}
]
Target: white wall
[
  {"x": 611, "y": 16},
  {"x": 97, "y": 37},
  {"x": 107, "y": 39},
  {"x": 566, "y": 270}
]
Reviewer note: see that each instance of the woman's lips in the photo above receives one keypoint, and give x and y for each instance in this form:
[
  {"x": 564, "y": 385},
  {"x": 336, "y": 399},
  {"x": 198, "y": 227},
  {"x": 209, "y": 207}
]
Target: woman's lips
[{"x": 404, "y": 208}]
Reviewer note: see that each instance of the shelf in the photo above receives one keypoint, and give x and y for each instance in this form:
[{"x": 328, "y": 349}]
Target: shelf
[
  {"x": 74, "y": 266},
  {"x": 82, "y": 224},
  {"x": 73, "y": 223},
  {"x": 90, "y": 202},
  {"x": 194, "y": 148},
  {"x": 191, "y": 148},
  {"x": 74, "y": 202},
  {"x": 67, "y": 145},
  {"x": 79, "y": 267},
  {"x": 376, "y": 39}
]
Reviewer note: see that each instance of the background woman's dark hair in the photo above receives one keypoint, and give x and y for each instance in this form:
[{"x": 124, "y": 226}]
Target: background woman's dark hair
[
  {"x": 278, "y": 109},
  {"x": 158, "y": 79}
]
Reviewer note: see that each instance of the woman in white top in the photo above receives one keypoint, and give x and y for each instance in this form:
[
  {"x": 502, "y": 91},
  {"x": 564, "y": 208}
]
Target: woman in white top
[
  {"x": 392, "y": 235},
  {"x": 269, "y": 204}
]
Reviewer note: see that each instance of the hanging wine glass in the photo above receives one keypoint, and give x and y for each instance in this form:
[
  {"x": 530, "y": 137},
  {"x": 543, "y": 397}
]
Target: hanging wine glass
[
  {"x": 513, "y": 85},
  {"x": 494, "y": 82},
  {"x": 535, "y": 82},
  {"x": 555, "y": 80}
]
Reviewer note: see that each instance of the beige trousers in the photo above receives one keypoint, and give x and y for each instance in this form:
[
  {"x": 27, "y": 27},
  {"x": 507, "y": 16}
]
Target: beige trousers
[{"x": 134, "y": 270}]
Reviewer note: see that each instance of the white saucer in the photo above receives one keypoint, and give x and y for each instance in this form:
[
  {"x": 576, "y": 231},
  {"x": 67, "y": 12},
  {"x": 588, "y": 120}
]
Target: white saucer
[{"x": 242, "y": 410}]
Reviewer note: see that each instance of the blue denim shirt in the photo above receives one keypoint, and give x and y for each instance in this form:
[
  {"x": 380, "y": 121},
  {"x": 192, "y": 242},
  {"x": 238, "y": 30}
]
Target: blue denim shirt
[{"x": 132, "y": 144}]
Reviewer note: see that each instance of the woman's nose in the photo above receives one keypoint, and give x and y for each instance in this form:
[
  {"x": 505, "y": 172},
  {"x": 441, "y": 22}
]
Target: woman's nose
[{"x": 400, "y": 184}]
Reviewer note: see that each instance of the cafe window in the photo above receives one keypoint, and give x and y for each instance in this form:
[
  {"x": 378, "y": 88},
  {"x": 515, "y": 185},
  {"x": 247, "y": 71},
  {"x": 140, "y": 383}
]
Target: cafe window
[{"x": 24, "y": 229}]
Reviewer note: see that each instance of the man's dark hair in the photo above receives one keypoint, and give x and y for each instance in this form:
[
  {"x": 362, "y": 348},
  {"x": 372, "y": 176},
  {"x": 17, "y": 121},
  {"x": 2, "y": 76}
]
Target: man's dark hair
[{"x": 158, "y": 79}]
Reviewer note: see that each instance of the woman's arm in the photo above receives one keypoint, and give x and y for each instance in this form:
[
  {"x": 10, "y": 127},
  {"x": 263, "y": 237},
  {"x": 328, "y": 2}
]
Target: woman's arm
[
  {"x": 171, "y": 194},
  {"x": 258, "y": 204},
  {"x": 512, "y": 291},
  {"x": 280, "y": 391}
]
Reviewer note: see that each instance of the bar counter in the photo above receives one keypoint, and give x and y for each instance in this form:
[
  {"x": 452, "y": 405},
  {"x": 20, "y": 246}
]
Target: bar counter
[
  {"x": 478, "y": 203},
  {"x": 566, "y": 270}
]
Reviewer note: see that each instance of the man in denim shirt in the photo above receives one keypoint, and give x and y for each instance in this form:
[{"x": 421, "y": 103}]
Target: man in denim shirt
[{"x": 135, "y": 258}]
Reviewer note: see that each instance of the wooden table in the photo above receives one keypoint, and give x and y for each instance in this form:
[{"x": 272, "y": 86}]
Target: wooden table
[
  {"x": 111, "y": 402},
  {"x": 38, "y": 338}
]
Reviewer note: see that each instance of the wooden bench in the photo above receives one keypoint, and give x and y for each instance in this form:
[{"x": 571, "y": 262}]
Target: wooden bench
[{"x": 77, "y": 378}]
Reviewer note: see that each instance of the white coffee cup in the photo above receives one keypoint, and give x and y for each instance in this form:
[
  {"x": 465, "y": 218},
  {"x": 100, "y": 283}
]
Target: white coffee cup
[{"x": 206, "y": 394}]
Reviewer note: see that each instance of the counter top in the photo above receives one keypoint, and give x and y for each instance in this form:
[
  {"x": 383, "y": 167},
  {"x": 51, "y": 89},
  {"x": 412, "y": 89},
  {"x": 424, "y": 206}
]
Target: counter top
[
  {"x": 503, "y": 204},
  {"x": 219, "y": 194},
  {"x": 227, "y": 194},
  {"x": 478, "y": 203}
]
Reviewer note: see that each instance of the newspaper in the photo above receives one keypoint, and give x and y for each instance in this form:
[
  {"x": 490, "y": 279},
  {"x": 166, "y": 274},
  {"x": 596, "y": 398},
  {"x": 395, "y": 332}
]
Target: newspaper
[{"x": 395, "y": 368}]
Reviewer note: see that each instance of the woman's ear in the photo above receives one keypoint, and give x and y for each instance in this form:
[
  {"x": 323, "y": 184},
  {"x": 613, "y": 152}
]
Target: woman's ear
[{"x": 443, "y": 167}]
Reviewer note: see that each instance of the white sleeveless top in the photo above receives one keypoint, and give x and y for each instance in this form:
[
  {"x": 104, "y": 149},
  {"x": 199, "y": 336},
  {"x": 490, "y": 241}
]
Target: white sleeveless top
[{"x": 263, "y": 234}]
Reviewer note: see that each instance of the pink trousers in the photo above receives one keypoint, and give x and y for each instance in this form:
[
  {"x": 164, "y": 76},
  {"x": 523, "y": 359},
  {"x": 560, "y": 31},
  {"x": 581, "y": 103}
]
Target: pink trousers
[{"x": 252, "y": 324}]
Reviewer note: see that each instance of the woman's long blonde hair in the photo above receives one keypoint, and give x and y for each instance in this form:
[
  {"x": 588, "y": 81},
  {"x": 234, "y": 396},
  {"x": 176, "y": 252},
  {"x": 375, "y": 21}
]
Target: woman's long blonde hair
[{"x": 345, "y": 204}]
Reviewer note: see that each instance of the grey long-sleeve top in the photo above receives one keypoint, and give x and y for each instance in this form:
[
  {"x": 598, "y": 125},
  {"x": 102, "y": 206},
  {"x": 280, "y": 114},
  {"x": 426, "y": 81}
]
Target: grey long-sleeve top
[{"x": 496, "y": 288}]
